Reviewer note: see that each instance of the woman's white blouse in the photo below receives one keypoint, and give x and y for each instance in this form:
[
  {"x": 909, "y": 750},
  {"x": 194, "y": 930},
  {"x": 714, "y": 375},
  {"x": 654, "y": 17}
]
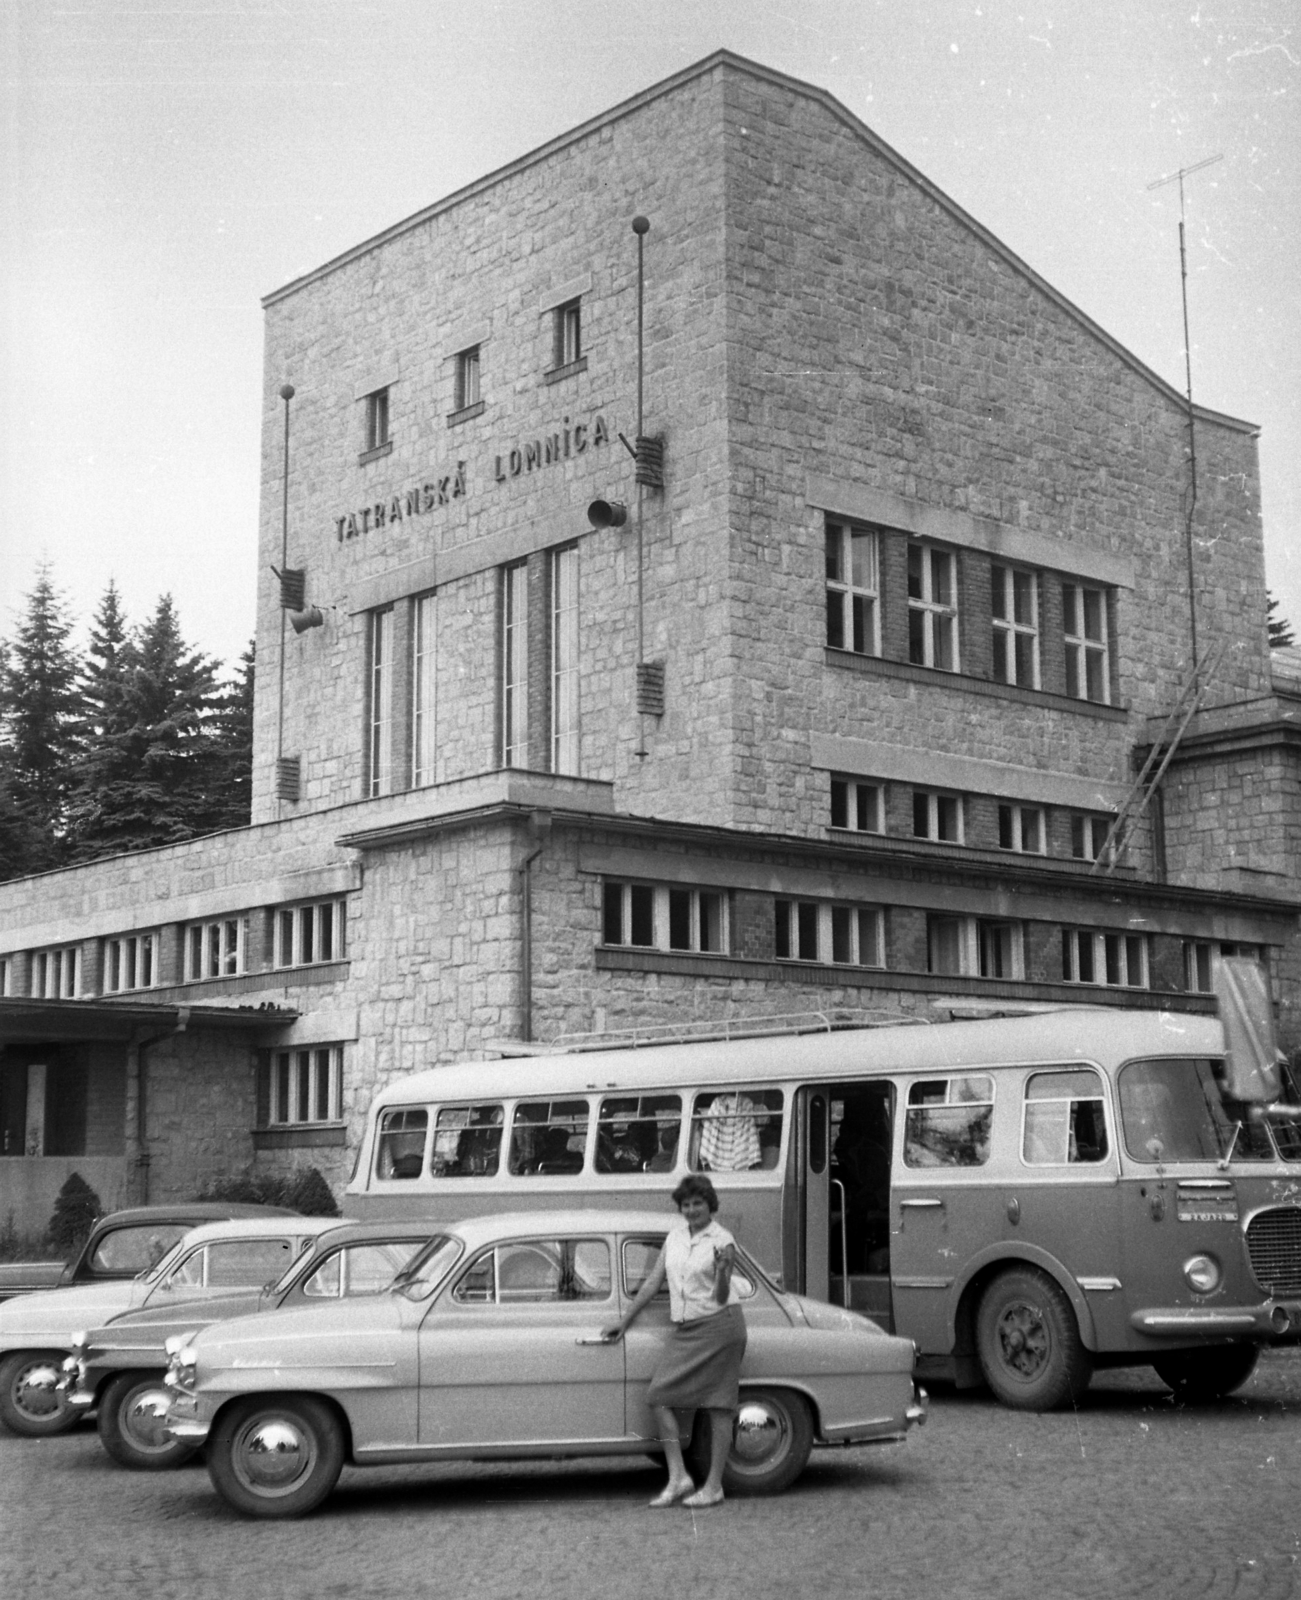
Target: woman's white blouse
[{"x": 689, "y": 1267}]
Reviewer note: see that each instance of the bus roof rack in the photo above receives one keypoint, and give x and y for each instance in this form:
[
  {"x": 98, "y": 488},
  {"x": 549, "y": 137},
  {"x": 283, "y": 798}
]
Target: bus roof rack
[
  {"x": 962, "y": 1009},
  {"x": 640, "y": 1036}
]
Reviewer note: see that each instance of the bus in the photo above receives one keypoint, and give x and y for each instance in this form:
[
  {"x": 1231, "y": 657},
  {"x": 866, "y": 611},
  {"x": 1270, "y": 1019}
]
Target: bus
[{"x": 1026, "y": 1197}]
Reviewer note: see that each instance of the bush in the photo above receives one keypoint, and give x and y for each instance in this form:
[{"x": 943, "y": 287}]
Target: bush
[
  {"x": 75, "y": 1209},
  {"x": 304, "y": 1190}
]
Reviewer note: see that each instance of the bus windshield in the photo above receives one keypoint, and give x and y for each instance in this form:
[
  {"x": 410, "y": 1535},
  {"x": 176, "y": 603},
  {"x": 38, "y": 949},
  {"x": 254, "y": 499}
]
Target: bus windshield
[{"x": 1172, "y": 1110}]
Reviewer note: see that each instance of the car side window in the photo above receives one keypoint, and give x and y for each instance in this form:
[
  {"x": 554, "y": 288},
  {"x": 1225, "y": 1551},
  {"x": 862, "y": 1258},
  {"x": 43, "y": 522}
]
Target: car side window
[
  {"x": 537, "y": 1271},
  {"x": 948, "y": 1121},
  {"x": 189, "y": 1273},
  {"x": 359, "y": 1269},
  {"x": 1064, "y": 1120},
  {"x": 245, "y": 1263},
  {"x": 639, "y": 1258},
  {"x": 136, "y": 1249}
]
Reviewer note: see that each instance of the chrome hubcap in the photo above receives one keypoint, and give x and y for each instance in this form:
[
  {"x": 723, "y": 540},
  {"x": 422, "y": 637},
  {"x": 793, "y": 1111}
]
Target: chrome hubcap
[
  {"x": 35, "y": 1390},
  {"x": 142, "y": 1419},
  {"x": 1023, "y": 1340},
  {"x": 759, "y": 1435},
  {"x": 272, "y": 1454}
]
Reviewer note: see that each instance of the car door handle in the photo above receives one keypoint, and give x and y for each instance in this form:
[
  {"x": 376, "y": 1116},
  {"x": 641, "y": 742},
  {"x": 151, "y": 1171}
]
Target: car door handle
[
  {"x": 598, "y": 1339},
  {"x": 926, "y": 1204}
]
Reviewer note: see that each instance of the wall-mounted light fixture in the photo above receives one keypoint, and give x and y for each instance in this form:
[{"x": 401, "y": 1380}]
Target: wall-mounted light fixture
[{"x": 607, "y": 513}]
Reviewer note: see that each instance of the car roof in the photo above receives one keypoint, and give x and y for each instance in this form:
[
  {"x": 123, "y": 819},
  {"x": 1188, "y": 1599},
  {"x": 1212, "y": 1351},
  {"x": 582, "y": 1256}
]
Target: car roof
[
  {"x": 393, "y": 1228},
  {"x": 260, "y": 1228},
  {"x": 191, "y": 1211},
  {"x": 476, "y": 1231}
]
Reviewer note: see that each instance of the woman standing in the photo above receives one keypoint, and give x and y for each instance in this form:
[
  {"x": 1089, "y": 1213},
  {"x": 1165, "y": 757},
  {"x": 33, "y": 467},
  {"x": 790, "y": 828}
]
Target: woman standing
[{"x": 700, "y": 1366}]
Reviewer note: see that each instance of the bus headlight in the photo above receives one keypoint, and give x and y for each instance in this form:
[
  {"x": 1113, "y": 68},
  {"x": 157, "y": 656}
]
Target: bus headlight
[{"x": 1202, "y": 1273}]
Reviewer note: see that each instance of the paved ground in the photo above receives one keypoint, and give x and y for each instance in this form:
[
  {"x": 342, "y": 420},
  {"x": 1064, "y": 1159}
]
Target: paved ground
[{"x": 1127, "y": 1496}]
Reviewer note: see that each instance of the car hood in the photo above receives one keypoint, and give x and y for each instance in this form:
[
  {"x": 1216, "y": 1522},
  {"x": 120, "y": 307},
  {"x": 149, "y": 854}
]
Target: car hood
[
  {"x": 306, "y": 1336},
  {"x": 835, "y": 1319},
  {"x": 149, "y": 1326},
  {"x": 54, "y": 1315}
]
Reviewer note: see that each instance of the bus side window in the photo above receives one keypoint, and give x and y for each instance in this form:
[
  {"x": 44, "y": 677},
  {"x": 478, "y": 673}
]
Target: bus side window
[
  {"x": 400, "y": 1150},
  {"x": 735, "y": 1130},
  {"x": 548, "y": 1137},
  {"x": 638, "y": 1133},
  {"x": 1064, "y": 1121},
  {"x": 467, "y": 1142},
  {"x": 948, "y": 1122}
]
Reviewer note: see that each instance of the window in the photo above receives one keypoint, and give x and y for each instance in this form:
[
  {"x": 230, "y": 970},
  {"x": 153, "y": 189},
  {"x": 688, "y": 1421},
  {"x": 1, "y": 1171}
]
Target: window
[
  {"x": 129, "y": 963},
  {"x": 537, "y": 1271},
  {"x": 660, "y": 918},
  {"x": 361, "y": 1269},
  {"x": 515, "y": 665},
  {"x": 422, "y": 691},
  {"x": 638, "y": 1133},
  {"x": 136, "y": 1249},
  {"x": 548, "y": 1138},
  {"x": 816, "y": 930},
  {"x": 1174, "y": 1110},
  {"x": 1021, "y": 828},
  {"x": 467, "y": 1141},
  {"x": 1064, "y": 1118},
  {"x": 1014, "y": 603},
  {"x": 377, "y": 430},
  {"x": 308, "y": 934},
  {"x": 467, "y": 378},
  {"x": 400, "y": 1146},
  {"x": 857, "y": 805},
  {"x": 932, "y": 607},
  {"x": 1117, "y": 960},
  {"x": 6, "y": 975},
  {"x": 853, "y": 589},
  {"x": 1200, "y": 956},
  {"x": 948, "y": 1121},
  {"x": 950, "y": 945},
  {"x": 379, "y": 697},
  {"x": 234, "y": 1264},
  {"x": 568, "y": 334},
  {"x": 1088, "y": 664},
  {"x": 937, "y": 816},
  {"x": 56, "y": 973},
  {"x": 215, "y": 949},
  {"x": 564, "y": 659},
  {"x": 1088, "y": 835},
  {"x": 974, "y": 947},
  {"x": 305, "y": 1085},
  {"x": 736, "y": 1130}
]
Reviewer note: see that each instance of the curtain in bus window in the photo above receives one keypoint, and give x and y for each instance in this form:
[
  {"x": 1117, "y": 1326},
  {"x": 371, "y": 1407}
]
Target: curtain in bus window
[
  {"x": 1064, "y": 1118},
  {"x": 735, "y": 1131},
  {"x": 1173, "y": 1110},
  {"x": 548, "y": 1137},
  {"x": 948, "y": 1122},
  {"x": 638, "y": 1133},
  {"x": 400, "y": 1150},
  {"x": 467, "y": 1141}
]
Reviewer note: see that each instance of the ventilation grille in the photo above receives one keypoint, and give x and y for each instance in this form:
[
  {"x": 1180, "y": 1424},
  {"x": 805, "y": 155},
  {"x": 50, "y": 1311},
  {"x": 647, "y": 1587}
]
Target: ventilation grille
[{"x": 1274, "y": 1245}]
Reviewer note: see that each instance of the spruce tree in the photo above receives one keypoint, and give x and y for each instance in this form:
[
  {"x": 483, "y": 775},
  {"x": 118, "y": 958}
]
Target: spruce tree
[
  {"x": 1281, "y": 636},
  {"x": 230, "y": 785}
]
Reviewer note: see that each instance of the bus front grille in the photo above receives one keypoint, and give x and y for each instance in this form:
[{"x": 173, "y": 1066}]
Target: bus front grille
[{"x": 1274, "y": 1245}]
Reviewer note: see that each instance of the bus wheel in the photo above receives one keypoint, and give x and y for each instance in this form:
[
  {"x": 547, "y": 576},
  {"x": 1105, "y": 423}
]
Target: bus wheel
[
  {"x": 1029, "y": 1342},
  {"x": 1197, "y": 1376}
]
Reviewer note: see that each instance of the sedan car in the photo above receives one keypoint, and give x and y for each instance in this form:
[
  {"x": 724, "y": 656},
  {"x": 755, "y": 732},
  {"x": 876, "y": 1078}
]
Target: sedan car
[
  {"x": 490, "y": 1346},
  {"x": 37, "y": 1330},
  {"x": 119, "y": 1368}
]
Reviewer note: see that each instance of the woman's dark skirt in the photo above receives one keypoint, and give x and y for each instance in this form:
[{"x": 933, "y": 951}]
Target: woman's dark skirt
[{"x": 701, "y": 1364}]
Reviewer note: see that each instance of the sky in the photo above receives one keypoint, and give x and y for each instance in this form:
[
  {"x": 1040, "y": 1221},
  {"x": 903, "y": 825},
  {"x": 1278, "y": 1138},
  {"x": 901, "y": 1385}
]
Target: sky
[{"x": 166, "y": 163}]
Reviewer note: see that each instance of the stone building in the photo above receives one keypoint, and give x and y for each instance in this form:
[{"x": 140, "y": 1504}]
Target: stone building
[{"x": 831, "y": 701}]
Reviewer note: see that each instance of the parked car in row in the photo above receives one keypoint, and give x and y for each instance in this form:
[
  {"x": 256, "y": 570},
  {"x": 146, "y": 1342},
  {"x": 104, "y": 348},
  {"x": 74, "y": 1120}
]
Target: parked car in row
[
  {"x": 490, "y": 1345},
  {"x": 37, "y": 1330},
  {"x": 119, "y": 1368}
]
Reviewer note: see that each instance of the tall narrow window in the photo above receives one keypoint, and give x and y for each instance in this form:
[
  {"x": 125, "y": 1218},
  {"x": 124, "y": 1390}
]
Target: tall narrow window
[
  {"x": 1021, "y": 828},
  {"x": 937, "y": 816},
  {"x": 932, "y": 607},
  {"x": 1088, "y": 835},
  {"x": 377, "y": 430},
  {"x": 467, "y": 378},
  {"x": 515, "y": 666},
  {"x": 1014, "y": 603},
  {"x": 569, "y": 333},
  {"x": 422, "y": 691},
  {"x": 129, "y": 963},
  {"x": 379, "y": 743},
  {"x": 215, "y": 949},
  {"x": 853, "y": 589},
  {"x": 564, "y": 659},
  {"x": 1088, "y": 650},
  {"x": 856, "y": 805}
]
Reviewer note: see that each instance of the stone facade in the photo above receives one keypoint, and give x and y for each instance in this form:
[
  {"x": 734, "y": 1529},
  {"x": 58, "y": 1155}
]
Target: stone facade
[{"x": 829, "y": 343}]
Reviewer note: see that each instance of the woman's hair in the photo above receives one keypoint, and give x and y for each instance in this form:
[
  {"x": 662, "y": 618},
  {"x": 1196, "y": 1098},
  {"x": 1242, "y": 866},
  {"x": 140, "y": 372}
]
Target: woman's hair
[{"x": 696, "y": 1186}]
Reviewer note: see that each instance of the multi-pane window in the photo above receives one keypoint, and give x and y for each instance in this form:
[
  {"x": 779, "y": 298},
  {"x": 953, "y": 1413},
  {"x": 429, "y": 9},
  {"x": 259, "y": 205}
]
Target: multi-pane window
[
  {"x": 305, "y": 1085},
  {"x": 400, "y": 1145},
  {"x": 979, "y": 947},
  {"x": 657, "y": 917},
  {"x": 56, "y": 973},
  {"x": 1088, "y": 666},
  {"x": 377, "y": 429},
  {"x": 1089, "y": 835},
  {"x": 1200, "y": 956},
  {"x": 948, "y": 1121},
  {"x": 736, "y": 1130},
  {"x": 515, "y": 665},
  {"x": 379, "y": 703},
  {"x": 309, "y": 933},
  {"x": 638, "y": 1133},
  {"x": 815, "y": 930},
  {"x": 932, "y": 607},
  {"x": 467, "y": 378},
  {"x": 937, "y": 816},
  {"x": 857, "y": 805},
  {"x": 1014, "y": 604},
  {"x": 537, "y": 1272},
  {"x": 853, "y": 588},
  {"x": 548, "y": 1138},
  {"x": 129, "y": 963},
  {"x": 568, "y": 333},
  {"x": 1117, "y": 960},
  {"x": 1000, "y": 949},
  {"x": 423, "y": 685},
  {"x": 215, "y": 949},
  {"x": 564, "y": 659},
  {"x": 1021, "y": 828},
  {"x": 1064, "y": 1118},
  {"x": 467, "y": 1141}
]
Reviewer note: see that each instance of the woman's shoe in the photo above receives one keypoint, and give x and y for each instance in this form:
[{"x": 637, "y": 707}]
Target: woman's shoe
[
  {"x": 671, "y": 1493},
  {"x": 702, "y": 1500}
]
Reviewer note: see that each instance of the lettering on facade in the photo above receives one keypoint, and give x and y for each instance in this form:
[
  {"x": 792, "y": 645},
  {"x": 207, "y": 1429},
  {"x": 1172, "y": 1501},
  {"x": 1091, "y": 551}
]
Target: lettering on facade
[
  {"x": 568, "y": 440},
  {"x": 412, "y": 502}
]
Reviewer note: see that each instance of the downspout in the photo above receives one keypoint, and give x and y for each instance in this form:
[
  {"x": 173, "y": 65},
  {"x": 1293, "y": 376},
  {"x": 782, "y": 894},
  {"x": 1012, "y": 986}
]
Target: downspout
[
  {"x": 137, "y": 1080},
  {"x": 539, "y": 829}
]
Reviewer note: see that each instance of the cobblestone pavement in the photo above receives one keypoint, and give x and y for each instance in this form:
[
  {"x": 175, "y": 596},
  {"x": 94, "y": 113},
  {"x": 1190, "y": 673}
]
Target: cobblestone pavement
[{"x": 1130, "y": 1495}]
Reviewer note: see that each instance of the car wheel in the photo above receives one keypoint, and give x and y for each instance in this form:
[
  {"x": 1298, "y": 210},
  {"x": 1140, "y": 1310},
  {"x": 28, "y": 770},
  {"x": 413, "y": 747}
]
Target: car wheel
[
  {"x": 275, "y": 1457},
  {"x": 771, "y": 1440},
  {"x": 131, "y": 1410},
  {"x": 1029, "y": 1342},
  {"x": 31, "y": 1402},
  {"x": 1197, "y": 1376}
]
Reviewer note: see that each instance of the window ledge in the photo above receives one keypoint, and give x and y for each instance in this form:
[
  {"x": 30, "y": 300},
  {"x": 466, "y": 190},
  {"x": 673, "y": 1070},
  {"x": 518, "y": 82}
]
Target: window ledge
[
  {"x": 854, "y": 839},
  {"x": 466, "y": 413},
  {"x": 880, "y": 667},
  {"x": 558, "y": 373},
  {"x": 287, "y": 1136},
  {"x": 375, "y": 454}
]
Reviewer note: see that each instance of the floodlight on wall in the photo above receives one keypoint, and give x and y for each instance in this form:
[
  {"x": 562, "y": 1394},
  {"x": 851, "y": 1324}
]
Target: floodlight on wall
[
  {"x": 308, "y": 617},
  {"x": 607, "y": 513}
]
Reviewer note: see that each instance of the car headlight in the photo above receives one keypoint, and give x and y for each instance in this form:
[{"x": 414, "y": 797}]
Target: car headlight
[
  {"x": 1202, "y": 1273},
  {"x": 181, "y": 1361},
  {"x": 79, "y": 1342}
]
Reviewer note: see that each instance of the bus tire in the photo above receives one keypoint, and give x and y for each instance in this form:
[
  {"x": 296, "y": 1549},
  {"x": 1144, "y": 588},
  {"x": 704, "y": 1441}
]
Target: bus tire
[
  {"x": 131, "y": 1410},
  {"x": 31, "y": 1403},
  {"x": 275, "y": 1456},
  {"x": 1199, "y": 1376},
  {"x": 1029, "y": 1342}
]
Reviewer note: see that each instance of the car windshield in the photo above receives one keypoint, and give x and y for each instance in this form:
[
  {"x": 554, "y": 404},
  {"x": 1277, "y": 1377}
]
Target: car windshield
[
  {"x": 1172, "y": 1111},
  {"x": 136, "y": 1248},
  {"x": 419, "y": 1280}
]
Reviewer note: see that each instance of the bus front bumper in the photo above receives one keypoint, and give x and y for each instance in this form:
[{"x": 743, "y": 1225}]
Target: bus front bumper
[{"x": 1274, "y": 1319}]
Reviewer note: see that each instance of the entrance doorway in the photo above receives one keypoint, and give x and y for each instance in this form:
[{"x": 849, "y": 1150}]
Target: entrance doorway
[{"x": 862, "y": 1119}]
